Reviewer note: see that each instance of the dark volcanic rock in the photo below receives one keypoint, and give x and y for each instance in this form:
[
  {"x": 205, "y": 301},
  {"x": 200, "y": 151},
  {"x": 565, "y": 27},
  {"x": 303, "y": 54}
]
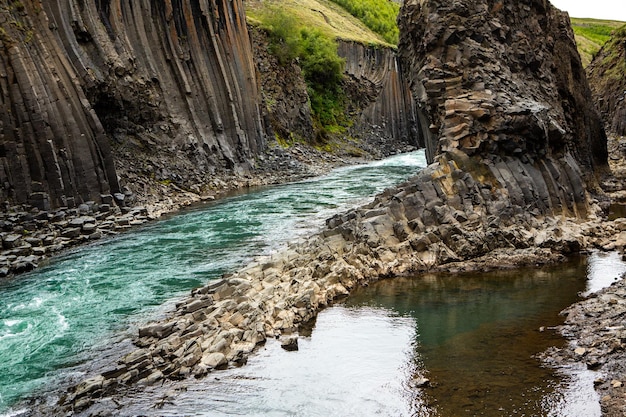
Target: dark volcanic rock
[
  {"x": 379, "y": 95},
  {"x": 500, "y": 78},
  {"x": 173, "y": 83},
  {"x": 608, "y": 84},
  {"x": 53, "y": 149}
]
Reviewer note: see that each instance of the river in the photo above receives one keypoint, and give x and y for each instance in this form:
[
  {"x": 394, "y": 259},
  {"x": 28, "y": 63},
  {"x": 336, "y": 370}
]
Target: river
[{"x": 363, "y": 357}]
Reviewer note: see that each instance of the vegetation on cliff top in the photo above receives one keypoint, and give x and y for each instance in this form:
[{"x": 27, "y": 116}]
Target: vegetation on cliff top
[
  {"x": 378, "y": 15},
  {"x": 591, "y": 35},
  {"x": 324, "y": 15},
  {"x": 316, "y": 54}
]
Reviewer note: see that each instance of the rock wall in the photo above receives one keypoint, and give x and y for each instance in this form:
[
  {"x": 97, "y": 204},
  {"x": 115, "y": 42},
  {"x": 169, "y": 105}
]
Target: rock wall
[
  {"x": 379, "y": 102},
  {"x": 608, "y": 85},
  {"x": 500, "y": 78},
  {"x": 284, "y": 93},
  {"x": 167, "y": 90},
  {"x": 380, "y": 94},
  {"x": 53, "y": 148},
  {"x": 173, "y": 83}
]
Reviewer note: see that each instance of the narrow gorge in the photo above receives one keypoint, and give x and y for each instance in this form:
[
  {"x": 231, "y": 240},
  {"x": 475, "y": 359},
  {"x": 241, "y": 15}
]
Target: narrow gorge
[
  {"x": 116, "y": 113},
  {"x": 114, "y": 108}
]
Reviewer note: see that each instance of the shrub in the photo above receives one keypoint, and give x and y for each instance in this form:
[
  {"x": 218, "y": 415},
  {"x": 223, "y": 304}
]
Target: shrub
[{"x": 317, "y": 55}]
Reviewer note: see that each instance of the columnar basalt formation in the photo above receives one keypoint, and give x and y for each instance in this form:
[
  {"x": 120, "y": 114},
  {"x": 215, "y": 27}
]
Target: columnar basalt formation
[
  {"x": 608, "y": 84},
  {"x": 167, "y": 90},
  {"x": 500, "y": 79},
  {"x": 53, "y": 148},
  {"x": 515, "y": 144},
  {"x": 379, "y": 103},
  {"x": 379, "y": 92},
  {"x": 172, "y": 82}
]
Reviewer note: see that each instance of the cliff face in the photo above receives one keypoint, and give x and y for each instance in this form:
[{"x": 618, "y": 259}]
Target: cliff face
[
  {"x": 172, "y": 83},
  {"x": 379, "y": 91},
  {"x": 608, "y": 85},
  {"x": 53, "y": 148},
  {"x": 500, "y": 78},
  {"x": 379, "y": 103}
]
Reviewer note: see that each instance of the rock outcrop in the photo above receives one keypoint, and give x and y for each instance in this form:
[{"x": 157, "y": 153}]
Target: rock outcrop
[
  {"x": 165, "y": 91},
  {"x": 502, "y": 79},
  {"x": 53, "y": 149},
  {"x": 173, "y": 83},
  {"x": 514, "y": 145},
  {"x": 379, "y": 96},
  {"x": 380, "y": 106},
  {"x": 151, "y": 100},
  {"x": 608, "y": 85}
]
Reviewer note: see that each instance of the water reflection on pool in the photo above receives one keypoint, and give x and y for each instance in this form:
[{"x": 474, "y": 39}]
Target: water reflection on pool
[{"x": 474, "y": 336}]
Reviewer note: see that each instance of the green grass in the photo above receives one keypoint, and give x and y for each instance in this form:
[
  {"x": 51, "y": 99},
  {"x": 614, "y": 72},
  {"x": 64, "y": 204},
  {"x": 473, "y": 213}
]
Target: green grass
[
  {"x": 378, "y": 15},
  {"x": 591, "y": 35},
  {"x": 315, "y": 51},
  {"x": 323, "y": 15}
]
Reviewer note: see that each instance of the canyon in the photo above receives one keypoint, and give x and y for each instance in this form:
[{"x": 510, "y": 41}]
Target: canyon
[{"x": 105, "y": 107}]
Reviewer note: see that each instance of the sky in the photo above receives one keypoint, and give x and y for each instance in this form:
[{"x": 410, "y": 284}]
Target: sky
[{"x": 598, "y": 9}]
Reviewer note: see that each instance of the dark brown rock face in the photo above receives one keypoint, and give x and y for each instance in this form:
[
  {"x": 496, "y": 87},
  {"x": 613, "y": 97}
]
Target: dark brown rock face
[
  {"x": 379, "y": 92},
  {"x": 608, "y": 84},
  {"x": 173, "y": 83},
  {"x": 53, "y": 149},
  {"x": 284, "y": 93},
  {"x": 502, "y": 79},
  {"x": 380, "y": 105}
]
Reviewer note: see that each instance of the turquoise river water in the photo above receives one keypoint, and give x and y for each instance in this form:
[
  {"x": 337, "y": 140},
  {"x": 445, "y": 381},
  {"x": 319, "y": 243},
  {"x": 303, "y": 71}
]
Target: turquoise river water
[{"x": 474, "y": 337}]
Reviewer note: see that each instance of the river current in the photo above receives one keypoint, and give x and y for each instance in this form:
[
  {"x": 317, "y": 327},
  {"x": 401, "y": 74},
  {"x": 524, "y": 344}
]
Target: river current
[{"x": 474, "y": 338}]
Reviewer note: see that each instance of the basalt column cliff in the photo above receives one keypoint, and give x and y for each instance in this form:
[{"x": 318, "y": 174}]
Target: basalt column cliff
[
  {"x": 171, "y": 84},
  {"x": 501, "y": 81}
]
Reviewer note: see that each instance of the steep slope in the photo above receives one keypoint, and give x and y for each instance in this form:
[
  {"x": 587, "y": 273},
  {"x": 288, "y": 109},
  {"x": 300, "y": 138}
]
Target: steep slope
[
  {"x": 591, "y": 35},
  {"x": 378, "y": 106},
  {"x": 170, "y": 85},
  {"x": 173, "y": 83},
  {"x": 488, "y": 84},
  {"x": 608, "y": 84}
]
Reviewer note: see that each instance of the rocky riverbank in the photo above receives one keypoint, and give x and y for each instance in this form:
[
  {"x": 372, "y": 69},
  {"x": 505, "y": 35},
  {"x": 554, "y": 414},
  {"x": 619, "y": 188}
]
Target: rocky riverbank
[
  {"x": 30, "y": 236},
  {"x": 596, "y": 326},
  {"x": 401, "y": 232}
]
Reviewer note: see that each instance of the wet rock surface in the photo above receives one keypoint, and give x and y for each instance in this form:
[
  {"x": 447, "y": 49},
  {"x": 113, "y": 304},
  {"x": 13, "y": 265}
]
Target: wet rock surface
[
  {"x": 401, "y": 232},
  {"x": 596, "y": 326}
]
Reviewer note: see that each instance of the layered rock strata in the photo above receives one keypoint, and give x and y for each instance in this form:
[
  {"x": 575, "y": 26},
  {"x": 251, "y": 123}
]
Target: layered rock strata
[{"x": 500, "y": 78}]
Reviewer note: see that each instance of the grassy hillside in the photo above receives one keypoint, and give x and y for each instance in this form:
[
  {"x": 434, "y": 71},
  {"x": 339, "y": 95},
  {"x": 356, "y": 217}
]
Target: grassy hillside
[
  {"x": 591, "y": 34},
  {"x": 324, "y": 15}
]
